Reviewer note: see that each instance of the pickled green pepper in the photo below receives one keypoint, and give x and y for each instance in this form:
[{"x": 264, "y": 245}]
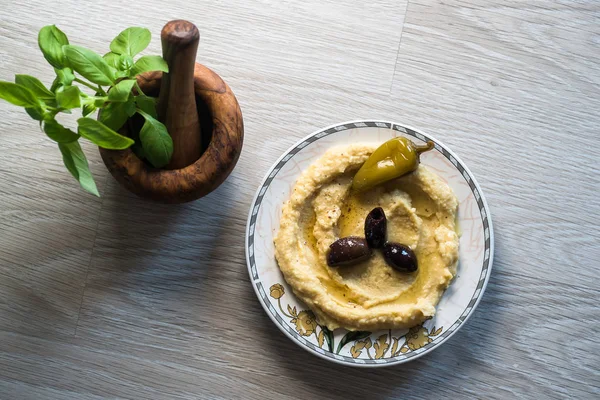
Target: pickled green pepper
[{"x": 391, "y": 160}]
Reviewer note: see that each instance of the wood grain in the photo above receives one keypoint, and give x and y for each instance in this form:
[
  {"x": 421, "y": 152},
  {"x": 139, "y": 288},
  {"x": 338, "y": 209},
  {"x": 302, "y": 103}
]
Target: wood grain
[
  {"x": 123, "y": 298},
  {"x": 177, "y": 100},
  {"x": 221, "y": 117}
]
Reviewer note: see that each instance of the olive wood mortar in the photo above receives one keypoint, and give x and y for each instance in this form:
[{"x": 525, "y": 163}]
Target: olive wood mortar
[{"x": 202, "y": 117}]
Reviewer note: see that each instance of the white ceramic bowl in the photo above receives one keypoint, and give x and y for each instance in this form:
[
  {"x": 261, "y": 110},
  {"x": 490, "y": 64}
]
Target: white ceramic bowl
[{"x": 381, "y": 348}]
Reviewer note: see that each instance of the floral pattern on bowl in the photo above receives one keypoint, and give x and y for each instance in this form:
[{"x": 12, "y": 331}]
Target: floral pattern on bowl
[
  {"x": 306, "y": 325},
  {"x": 361, "y": 348}
]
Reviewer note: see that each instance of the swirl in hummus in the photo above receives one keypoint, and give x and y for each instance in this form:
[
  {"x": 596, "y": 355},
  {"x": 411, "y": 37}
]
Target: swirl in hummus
[{"x": 421, "y": 213}]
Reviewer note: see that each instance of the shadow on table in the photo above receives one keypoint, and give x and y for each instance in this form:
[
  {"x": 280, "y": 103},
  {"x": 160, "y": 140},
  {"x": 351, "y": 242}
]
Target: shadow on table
[
  {"x": 447, "y": 366},
  {"x": 179, "y": 241}
]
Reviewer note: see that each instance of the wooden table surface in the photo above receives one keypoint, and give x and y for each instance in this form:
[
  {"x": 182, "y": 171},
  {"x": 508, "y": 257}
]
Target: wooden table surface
[{"x": 115, "y": 297}]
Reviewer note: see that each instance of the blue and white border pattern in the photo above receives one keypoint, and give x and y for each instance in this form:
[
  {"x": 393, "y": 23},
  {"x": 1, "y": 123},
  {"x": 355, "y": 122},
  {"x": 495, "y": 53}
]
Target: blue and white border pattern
[{"x": 487, "y": 226}]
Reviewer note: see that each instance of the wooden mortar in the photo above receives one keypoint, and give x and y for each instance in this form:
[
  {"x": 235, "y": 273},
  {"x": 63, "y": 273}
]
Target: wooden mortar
[{"x": 202, "y": 116}]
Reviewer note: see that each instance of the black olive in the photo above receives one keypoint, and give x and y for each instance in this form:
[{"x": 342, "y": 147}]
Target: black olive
[
  {"x": 400, "y": 257},
  {"x": 375, "y": 228},
  {"x": 347, "y": 251}
]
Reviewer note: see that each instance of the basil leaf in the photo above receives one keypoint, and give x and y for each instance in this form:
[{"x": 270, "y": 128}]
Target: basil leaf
[
  {"x": 149, "y": 63},
  {"x": 121, "y": 74},
  {"x": 64, "y": 77},
  {"x": 121, "y": 91},
  {"x": 114, "y": 115},
  {"x": 59, "y": 133},
  {"x": 88, "y": 109},
  {"x": 147, "y": 104},
  {"x": 89, "y": 65},
  {"x": 68, "y": 97},
  {"x": 102, "y": 135},
  {"x": 35, "y": 114},
  {"x": 130, "y": 107},
  {"x": 51, "y": 40},
  {"x": 34, "y": 85},
  {"x": 125, "y": 62},
  {"x": 18, "y": 95},
  {"x": 99, "y": 101},
  {"x": 131, "y": 41},
  {"x": 156, "y": 142},
  {"x": 55, "y": 84},
  {"x": 112, "y": 59},
  {"x": 76, "y": 162}
]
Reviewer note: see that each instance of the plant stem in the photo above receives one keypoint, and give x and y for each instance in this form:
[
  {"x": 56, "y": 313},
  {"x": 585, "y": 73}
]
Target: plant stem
[
  {"x": 139, "y": 89},
  {"x": 89, "y": 85}
]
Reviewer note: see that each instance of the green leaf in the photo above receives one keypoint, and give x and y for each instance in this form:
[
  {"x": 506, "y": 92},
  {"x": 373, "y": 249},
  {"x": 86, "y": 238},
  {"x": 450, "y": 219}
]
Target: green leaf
[
  {"x": 88, "y": 109},
  {"x": 77, "y": 164},
  {"x": 55, "y": 84},
  {"x": 149, "y": 63},
  {"x": 99, "y": 101},
  {"x": 121, "y": 91},
  {"x": 130, "y": 107},
  {"x": 131, "y": 41},
  {"x": 156, "y": 142},
  {"x": 35, "y": 114},
  {"x": 125, "y": 62},
  {"x": 51, "y": 40},
  {"x": 18, "y": 95},
  {"x": 147, "y": 104},
  {"x": 68, "y": 97},
  {"x": 101, "y": 135},
  {"x": 350, "y": 337},
  {"x": 112, "y": 59},
  {"x": 121, "y": 74},
  {"x": 64, "y": 77},
  {"x": 89, "y": 104},
  {"x": 89, "y": 65},
  {"x": 59, "y": 133},
  {"x": 114, "y": 115},
  {"x": 34, "y": 85}
]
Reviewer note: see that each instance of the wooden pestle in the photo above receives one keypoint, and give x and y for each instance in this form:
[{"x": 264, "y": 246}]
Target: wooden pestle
[{"x": 177, "y": 100}]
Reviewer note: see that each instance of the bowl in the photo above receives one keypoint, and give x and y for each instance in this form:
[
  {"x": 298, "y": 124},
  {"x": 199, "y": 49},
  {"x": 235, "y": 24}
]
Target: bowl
[
  {"x": 384, "y": 347},
  {"x": 223, "y": 130}
]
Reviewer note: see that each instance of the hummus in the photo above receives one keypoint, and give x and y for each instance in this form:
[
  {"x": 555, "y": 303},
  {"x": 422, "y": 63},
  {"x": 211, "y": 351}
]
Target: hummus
[{"x": 421, "y": 213}]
